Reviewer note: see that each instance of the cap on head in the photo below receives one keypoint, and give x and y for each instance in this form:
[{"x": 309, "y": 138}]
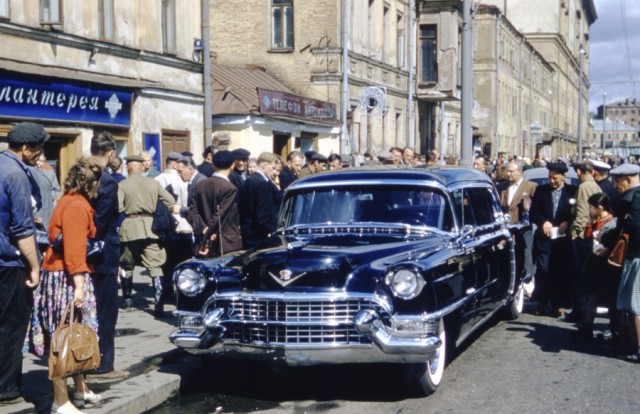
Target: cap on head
[
  {"x": 600, "y": 166},
  {"x": 626, "y": 169},
  {"x": 134, "y": 158},
  {"x": 223, "y": 159},
  {"x": 241, "y": 153},
  {"x": 28, "y": 133},
  {"x": 173, "y": 156},
  {"x": 186, "y": 154},
  {"x": 309, "y": 154},
  {"x": 558, "y": 167},
  {"x": 319, "y": 157}
]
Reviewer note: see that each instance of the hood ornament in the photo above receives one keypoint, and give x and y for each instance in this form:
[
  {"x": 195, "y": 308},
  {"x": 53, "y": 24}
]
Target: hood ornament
[{"x": 285, "y": 277}]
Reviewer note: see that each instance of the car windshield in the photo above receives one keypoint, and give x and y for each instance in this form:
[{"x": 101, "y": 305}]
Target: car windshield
[{"x": 383, "y": 204}]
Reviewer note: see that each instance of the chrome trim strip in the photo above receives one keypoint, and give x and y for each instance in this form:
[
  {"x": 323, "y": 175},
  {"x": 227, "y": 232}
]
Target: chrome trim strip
[
  {"x": 477, "y": 325},
  {"x": 370, "y": 182}
]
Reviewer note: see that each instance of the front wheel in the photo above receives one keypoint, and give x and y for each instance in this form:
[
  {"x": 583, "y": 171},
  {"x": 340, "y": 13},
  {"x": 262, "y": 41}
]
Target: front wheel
[
  {"x": 426, "y": 377},
  {"x": 514, "y": 306}
]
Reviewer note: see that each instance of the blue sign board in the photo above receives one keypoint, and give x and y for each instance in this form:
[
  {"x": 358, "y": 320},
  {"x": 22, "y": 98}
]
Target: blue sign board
[{"x": 54, "y": 99}]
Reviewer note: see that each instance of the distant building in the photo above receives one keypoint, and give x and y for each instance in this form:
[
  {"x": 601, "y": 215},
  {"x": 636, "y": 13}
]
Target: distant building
[
  {"x": 627, "y": 111},
  {"x": 614, "y": 137}
]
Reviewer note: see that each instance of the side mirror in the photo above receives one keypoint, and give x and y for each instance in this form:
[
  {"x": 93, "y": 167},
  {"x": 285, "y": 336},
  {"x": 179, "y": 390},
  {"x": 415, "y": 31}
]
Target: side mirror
[{"x": 466, "y": 231}]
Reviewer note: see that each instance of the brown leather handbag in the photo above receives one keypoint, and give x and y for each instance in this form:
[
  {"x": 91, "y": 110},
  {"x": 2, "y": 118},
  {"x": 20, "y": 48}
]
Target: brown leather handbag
[
  {"x": 74, "y": 347},
  {"x": 619, "y": 251}
]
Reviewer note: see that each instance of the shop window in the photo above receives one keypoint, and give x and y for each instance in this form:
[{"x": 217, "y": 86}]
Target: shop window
[
  {"x": 428, "y": 54},
  {"x": 4, "y": 9},
  {"x": 51, "y": 11},
  {"x": 169, "y": 26},
  {"x": 105, "y": 21},
  {"x": 282, "y": 24}
]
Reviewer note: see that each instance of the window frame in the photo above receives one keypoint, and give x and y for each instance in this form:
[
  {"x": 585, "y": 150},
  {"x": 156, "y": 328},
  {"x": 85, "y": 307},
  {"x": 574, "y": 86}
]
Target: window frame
[
  {"x": 169, "y": 43},
  {"x": 286, "y": 27},
  {"x": 46, "y": 18},
  {"x": 6, "y": 5},
  {"x": 105, "y": 10},
  {"x": 434, "y": 41}
]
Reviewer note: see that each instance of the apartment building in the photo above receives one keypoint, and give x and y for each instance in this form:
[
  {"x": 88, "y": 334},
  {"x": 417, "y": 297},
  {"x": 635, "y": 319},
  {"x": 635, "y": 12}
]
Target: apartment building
[
  {"x": 299, "y": 43},
  {"x": 627, "y": 111},
  {"x": 80, "y": 66}
]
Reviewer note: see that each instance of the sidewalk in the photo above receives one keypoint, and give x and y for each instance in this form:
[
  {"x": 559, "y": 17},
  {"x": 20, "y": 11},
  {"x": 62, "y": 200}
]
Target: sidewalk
[{"x": 142, "y": 344}]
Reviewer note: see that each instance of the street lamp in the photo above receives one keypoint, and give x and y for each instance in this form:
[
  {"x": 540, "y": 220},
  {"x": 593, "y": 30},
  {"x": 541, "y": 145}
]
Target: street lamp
[{"x": 580, "y": 105}]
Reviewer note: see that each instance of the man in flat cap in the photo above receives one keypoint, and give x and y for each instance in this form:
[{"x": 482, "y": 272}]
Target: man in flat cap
[
  {"x": 239, "y": 172},
  {"x": 214, "y": 215},
  {"x": 601, "y": 175},
  {"x": 627, "y": 181},
  {"x": 179, "y": 245},
  {"x": 551, "y": 213},
  {"x": 19, "y": 264},
  {"x": 258, "y": 206},
  {"x": 139, "y": 197},
  {"x": 317, "y": 164}
]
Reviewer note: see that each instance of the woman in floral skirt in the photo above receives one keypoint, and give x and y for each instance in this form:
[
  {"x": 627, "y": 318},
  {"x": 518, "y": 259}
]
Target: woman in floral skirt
[{"x": 65, "y": 276}]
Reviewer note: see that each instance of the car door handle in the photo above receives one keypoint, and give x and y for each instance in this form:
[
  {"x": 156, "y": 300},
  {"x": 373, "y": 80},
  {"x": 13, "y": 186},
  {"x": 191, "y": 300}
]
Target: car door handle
[{"x": 471, "y": 291}]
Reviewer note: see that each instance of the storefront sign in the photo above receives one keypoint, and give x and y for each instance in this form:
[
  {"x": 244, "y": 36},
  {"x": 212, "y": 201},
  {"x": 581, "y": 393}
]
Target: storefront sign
[
  {"x": 58, "y": 100},
  {"x": 284, "y": 104}
]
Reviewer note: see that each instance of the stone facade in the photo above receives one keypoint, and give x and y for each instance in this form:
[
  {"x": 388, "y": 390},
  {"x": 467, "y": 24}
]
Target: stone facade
[{"x": 81, "y": 48}]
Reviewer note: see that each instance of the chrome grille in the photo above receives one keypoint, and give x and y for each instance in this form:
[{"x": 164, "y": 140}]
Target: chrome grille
[{"x": 268, "y": 320}]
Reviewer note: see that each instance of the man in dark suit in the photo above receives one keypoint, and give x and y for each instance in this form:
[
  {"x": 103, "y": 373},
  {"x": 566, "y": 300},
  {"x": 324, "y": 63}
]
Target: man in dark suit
[
  {"x": 105, "y": 275},
  {"x": 258, "y": 207},
  {"x": 290, "y": 171},
  {"x": 206, "y": 168},
  {"x": 551, "y": 213},
  {"x": 601, "y": 175},
  {"x": 214, "y": 213},
  {"x": 239, "y": 174}
]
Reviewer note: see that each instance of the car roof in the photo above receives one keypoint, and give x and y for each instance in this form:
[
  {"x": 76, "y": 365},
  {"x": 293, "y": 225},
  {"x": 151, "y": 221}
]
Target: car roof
[
  {"x": 444, "y": 175},
  {"x": 541, "y": 175}
]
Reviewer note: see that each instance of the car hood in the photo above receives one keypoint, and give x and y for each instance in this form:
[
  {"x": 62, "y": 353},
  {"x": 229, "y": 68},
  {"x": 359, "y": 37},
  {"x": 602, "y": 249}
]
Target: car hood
[{"x": 336, "y": 262}]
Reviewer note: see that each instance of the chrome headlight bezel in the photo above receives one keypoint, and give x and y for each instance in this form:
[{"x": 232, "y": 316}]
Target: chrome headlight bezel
[
  {"x": 405, "y": 283},
  {"x": 189, "y": 281}
]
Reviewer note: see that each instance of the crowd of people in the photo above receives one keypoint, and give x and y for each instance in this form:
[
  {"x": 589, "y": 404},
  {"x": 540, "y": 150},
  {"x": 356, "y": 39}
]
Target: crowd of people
[{"x": 230, "y": 202}]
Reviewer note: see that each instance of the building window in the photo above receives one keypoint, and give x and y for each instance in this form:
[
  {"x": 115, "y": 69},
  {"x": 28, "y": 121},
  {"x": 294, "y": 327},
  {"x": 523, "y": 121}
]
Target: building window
[
  {"x": 386, "y": 34},
  {"x": 282, "y": 24},
  {"x": 105, "y": 20},
  {"x": 4, "y": 9},
  {"x": 428, "y": 54},
  {"x": 50, "y": 11},
  {"x": 168, "y": 26},
  {"x": 372, "y": 27},
  {"x": 400, "y": 42}
]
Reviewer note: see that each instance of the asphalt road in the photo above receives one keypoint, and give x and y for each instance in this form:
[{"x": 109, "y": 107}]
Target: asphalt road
[{"x": 531, "y": 365}]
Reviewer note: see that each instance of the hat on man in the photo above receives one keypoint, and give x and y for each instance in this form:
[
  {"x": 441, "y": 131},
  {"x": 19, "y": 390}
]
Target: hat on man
[
  {"x": 559, "y": 167},
  {"x": 173, "y": 156},
  {"x": 319, "y": 157},
  {"x": 223, "y": 159},
  {"x": 267, "y": 157},
  {"x": 309, "y": 154},
  {"x": 600, "y": 166},
  {"x": 385, "y": 156},
  {"x": 134, "y": 158},
  {"x": 27, "y": 133},
  {"x": 186, "y": 154},
  {"x": 625, "y": 169},
  {"x": 240, "y": 153}
]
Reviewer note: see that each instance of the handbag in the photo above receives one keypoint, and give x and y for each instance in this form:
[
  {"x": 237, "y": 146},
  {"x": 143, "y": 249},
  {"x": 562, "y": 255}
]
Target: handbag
[
  {"x": 619, "y": 251},
  {"x": 74, "y": 347},
  {"x": 94, "y": 249}
]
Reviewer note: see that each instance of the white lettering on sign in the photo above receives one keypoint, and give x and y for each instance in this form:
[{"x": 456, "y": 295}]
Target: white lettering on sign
[{"x": 31, "y": 96}]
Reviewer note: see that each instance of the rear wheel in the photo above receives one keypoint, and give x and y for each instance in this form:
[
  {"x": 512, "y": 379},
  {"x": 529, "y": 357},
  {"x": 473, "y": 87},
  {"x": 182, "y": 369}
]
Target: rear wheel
[{"x": 426, "y": 377}]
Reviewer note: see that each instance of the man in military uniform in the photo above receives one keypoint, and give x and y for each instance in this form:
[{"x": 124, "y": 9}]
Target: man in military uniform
[{"x": 138, "y": 198}]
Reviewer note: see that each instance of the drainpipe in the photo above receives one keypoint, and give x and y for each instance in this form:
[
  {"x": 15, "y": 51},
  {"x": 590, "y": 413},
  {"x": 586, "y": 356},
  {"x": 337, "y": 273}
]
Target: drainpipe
[
  {"x": 345, "y": 80},
  {"x": 411, "y": 35},
  {"x": 466, "y": 147},
  {"x": 206, "y": 75},
  {"x": 496, "y": 97}
]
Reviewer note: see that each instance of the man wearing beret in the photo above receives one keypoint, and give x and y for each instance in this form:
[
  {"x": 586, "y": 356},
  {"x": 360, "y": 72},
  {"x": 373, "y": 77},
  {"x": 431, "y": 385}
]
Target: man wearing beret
[
  {"x": 239, "y": 172},
  {"x": 551, "y": 213},
  {"x": 138, "y": 198},
  {"x": 19, "y": 264},
  {"x": 214, "y": 213},
  {"x": 627, "y": 181},
  {"x": 258, "y": 208}
]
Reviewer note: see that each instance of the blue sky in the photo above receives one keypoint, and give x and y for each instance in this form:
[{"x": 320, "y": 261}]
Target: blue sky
[{"x": 614, "y": 55}]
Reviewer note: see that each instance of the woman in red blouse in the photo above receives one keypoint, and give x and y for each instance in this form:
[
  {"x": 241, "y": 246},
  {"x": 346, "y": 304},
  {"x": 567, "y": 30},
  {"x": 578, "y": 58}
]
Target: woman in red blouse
[{"x": 65, "y": 276}]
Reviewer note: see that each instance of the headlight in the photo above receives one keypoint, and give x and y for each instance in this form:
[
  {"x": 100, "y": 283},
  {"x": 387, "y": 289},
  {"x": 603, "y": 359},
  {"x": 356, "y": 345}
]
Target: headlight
[
  {"x": 190, "y": 282},
  {"x": 405, "y": 283}
]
